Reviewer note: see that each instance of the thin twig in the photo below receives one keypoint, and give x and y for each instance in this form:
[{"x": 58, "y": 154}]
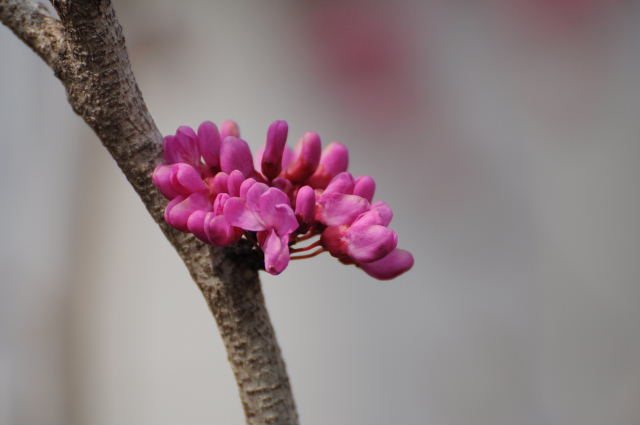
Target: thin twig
[{"x": 309, "y": 255}]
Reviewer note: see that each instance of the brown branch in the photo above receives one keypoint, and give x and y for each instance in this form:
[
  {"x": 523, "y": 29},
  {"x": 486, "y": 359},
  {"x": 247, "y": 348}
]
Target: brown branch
[
  {"x": 251, "y": 343},
  {"x": 33, "y": 24},
  {"x": 86, "y": 50}
]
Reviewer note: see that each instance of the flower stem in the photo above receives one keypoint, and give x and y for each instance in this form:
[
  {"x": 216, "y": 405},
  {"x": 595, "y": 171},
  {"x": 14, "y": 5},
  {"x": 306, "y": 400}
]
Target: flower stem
[
  {"x": 307, "y": 248},
  {"x": 310, "y": 255}
]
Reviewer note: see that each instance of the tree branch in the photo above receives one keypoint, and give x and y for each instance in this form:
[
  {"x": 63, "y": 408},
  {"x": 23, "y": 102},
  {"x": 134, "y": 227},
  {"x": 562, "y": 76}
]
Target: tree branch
[
  {"x": 33, "y": 24},
  {"x": 86, "y": 50},
  {"x": 246, "y": 329}
]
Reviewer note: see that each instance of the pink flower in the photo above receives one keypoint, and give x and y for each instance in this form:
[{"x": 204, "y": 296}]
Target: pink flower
[
  {"x": 334, "y": 160},
  {"x": 391, "y": 266},
  {"x": 212, "y": 226},
  {"x": 341, "y": 183},
  {"x": 178, "y": 179},
  {"x": 304, "y": 161},
  {"x": 271, "y": 163},
  {"x": 365, "y": 187},
  {"x": 335, "y": 209},
  {"x": 229, "y": 128},
  {"x": 235, "y": 154},
  {"x": 337, "y": 205},
  {"x": 182, "y": 147},
  {"x": 305, "y": 204},
  {"x": 209, "y": 143},
  {"x": 180, "y": 208},
  {"x": 217, "y": 193},
  {"x": 363, "y": 240},
  {"x": 369, "y": 244},
  {"x": 267, "y": 211}
]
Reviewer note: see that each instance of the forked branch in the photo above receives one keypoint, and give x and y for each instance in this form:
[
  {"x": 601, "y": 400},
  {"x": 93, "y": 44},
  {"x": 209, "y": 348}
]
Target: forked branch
[{"x": 86, "y": 49}]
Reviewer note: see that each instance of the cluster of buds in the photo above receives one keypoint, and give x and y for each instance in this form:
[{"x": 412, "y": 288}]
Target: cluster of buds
[{"x": 217, "y": 193}]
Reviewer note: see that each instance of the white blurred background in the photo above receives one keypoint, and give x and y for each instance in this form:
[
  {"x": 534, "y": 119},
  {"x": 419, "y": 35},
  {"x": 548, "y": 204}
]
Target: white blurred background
[{"x": 503, "y": 133}]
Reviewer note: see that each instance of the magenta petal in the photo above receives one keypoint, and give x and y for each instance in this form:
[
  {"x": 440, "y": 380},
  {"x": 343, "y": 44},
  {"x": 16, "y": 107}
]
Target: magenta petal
[
  {"x": 209, "y": 143},
  {"x": 219, "y": 203},
  {"x": 275, "y": 211},
  {"x": 307, "y": 157},
  {"x": 235, "y": 154},
  {"x": 333, "y": 240},
  {"x": 245, "y": 186},
  {"x": 394, "y": 264},
  {"x": 287, "y": 222},
  {"x": 384, "y": 211},
  {"x": 271, "y": 162},
  {"x": 283, "y": 184},
  {"x": 186, "y": 131},
  {"x": 272, "y": 197},
  {"x": 334, "y": 160},
  {"x": 238, "y": 214},
  {"x": 220, "y": 182},
  {"x": 335, "y": 209},
  {"x": 365, "y": 186},
  {"x": 179, "y": 209},
  {"x": 219, "y": 231},
  {"x": 370, "y": 243},
  {"x": 234, "y": 181},
  {"x": 162, "y": 179},
  {"x": 341, "y": 183},
  {"x": 305, "y": 204},
  {"x": 380, "y": 213},
  {"x": 183, "y": 147},
  {"x": 170, "y": 206},
  {"x": 186, "y": 179},
  {"x": 195, "y": 224},
  {"x": 169, "y": 150},
  {"x": 229, "y": 128},
  {"x": 276, "y": 252},
  {"x": 254, "y": 193}
]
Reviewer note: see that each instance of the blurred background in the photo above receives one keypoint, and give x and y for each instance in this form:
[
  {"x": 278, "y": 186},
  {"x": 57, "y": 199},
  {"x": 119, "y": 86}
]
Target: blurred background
[{"x": 503, "y": 133}]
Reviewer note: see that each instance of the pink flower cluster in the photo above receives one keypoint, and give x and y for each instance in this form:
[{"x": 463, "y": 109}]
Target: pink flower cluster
[{"x": 217, "y": 193}]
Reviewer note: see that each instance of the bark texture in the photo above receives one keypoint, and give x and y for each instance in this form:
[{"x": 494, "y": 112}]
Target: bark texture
[
  {"x": 251, "y": 344},
  {"x": 85, "y": 48}
]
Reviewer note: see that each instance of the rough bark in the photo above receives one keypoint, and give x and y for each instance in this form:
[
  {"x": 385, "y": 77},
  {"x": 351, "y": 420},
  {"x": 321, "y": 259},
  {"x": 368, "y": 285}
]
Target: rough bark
[
  {"x": 85, "y": 48},
  {"x": 251, "y": 344}
]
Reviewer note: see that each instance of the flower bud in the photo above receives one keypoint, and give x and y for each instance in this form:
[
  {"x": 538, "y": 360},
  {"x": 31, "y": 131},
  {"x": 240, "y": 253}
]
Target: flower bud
[
  {"x": 274, "y": 149},
  {"x": 334, "y": 160},
  {"x": 370, "y": 243},
  {"x": 245, "y": 186},
  {"x": 235, "y": 154},
  {"x": 335, "y": 209},
  {"x": 185, "y": 179},
  {"x": 305, "y": 163},
  {"x": 283, "y": 184},
  {"x": 229, "y": 128},
  {"x": 180, "y": 208},
  {"x": 365, "y": 186},
  {"x": 162, "y": 179},
  {"x": 220, "y": 182},
  {"x": 209, "y": 143},
  {"x": 391, "y": 266},
  {"x": 183, "y": 147},
  {"x": 341, "y": 183},
  {"x": 305, "y": 204},
  {"x": 233, "y": 182},
  {"x": 220, "y": 232}
]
